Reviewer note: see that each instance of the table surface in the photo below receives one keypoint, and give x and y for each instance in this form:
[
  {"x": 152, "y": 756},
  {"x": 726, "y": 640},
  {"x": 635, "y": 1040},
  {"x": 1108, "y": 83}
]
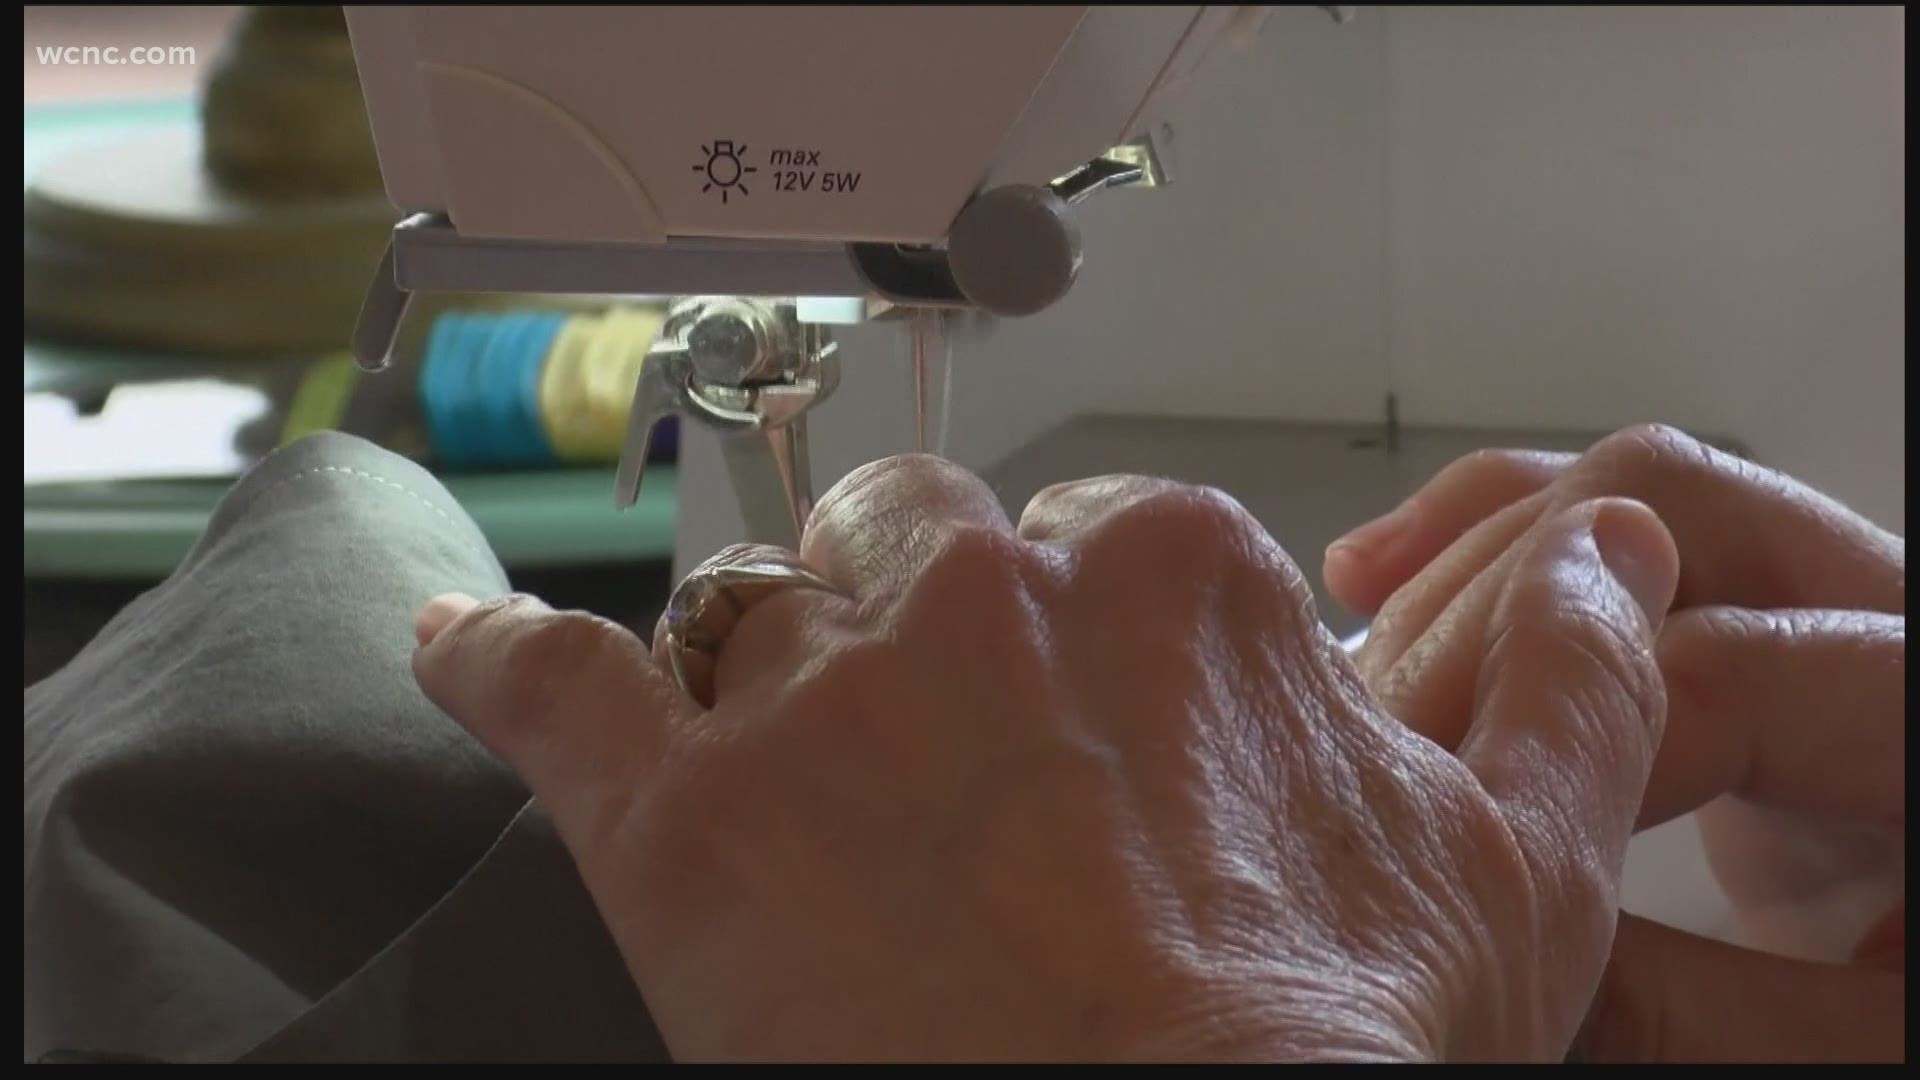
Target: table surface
[{"x": 1308, "y": 483}]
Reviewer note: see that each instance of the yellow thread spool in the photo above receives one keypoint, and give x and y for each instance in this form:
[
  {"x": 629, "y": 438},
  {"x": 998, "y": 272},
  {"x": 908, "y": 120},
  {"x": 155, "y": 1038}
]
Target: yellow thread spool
[
  {"x": 560, "y": 390},
  {"x": 587, "y": 387}
]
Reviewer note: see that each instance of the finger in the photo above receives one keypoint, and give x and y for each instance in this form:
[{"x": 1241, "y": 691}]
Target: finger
[
  {"x": 1410, "y": 615},
  {"x": 771, "y": 637},
  {"x": 574, "y": 704},
  {"x": 1671, "y": 996},
  {"x": 695, "y": 671},
  {"x": 1065, "y": 510},
  {"x": 1569, "y": 707},
  {"x": 1430, "y": 684},
  {"x": 1365, "y": 567},
  {"x": 731, "y": 555},
  {"x": 873, "y": 531},
  {"x": 1797, "y": 710},
  {"x": 1747, "y": 536}
]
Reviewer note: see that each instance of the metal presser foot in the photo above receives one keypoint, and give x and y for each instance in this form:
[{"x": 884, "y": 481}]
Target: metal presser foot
[{"x": 751, "y": 369}]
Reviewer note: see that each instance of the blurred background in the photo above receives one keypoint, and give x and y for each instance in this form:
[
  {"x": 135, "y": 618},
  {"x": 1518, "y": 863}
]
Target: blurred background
[
  {"x": 199, "y": 233},
  {"x": 199, "y": 28},
  {"x": 1387, "y": 243}
]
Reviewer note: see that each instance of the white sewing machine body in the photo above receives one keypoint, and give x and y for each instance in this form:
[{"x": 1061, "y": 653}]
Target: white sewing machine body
[
  {"x": 780, "y": 150},
  {"x": 636, "y": 124},
  {"x": 913, "y": 157}
]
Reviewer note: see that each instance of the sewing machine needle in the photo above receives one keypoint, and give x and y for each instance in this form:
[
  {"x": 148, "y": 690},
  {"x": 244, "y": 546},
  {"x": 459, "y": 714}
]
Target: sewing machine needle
[{"x": 918, "y": 331}]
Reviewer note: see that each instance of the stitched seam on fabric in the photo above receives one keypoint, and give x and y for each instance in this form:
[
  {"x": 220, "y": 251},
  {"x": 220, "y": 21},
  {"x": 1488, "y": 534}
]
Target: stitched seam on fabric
[{"x": 347, "y": 471}]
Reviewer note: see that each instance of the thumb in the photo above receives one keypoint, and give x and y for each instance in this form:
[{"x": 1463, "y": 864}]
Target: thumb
[
  {"x": 574, "y": 704},
  {"x": 1671, "y": 996}
]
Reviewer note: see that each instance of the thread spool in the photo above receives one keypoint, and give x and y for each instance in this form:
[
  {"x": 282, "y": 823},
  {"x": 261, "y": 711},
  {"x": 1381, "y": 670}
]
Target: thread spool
[
  {"x": 529, "y": 340},
  {"x": 587, "y": 389},
  {"x": 532, "y": 388},
  {"x": 562, "y": 388},
  {"x": 445, "y": 374}
]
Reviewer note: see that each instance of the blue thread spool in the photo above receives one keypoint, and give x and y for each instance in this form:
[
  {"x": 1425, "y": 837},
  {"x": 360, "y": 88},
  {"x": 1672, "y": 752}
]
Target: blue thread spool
[
  {"x": 523, "y": 341},
  {"x": 448, "y": 385},
  {"x": 493, "y": 385},
  {"x": 432, "y": 372},
  {"x": 480, "y": 390}
]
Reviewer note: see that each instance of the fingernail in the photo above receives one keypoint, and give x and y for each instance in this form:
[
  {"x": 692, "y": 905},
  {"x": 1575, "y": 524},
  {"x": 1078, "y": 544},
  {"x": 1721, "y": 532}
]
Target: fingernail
[
  {"x": 1369, "y": 540},
  {"x": 440, "y": 611},
  {"x": 1639, "y": 554},
  {"x": 1342, "y": 564}
]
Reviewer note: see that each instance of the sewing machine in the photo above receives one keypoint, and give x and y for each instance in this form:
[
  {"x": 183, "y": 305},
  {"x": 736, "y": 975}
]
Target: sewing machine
[
  {"x": 780, "y": 170},
  {"x": 1530, "y": 224}
]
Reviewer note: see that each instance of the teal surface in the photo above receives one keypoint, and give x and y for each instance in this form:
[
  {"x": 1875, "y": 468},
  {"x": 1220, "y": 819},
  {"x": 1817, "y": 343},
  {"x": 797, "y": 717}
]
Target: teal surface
[
  {"x": 142, "y": 529},
  {"x": 51, "y": 130}
]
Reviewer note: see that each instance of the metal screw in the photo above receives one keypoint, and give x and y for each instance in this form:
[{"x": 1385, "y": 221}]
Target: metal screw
[{"x": 728, "y": 347}]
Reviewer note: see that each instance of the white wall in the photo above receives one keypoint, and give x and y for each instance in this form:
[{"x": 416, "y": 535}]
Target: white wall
[
  {"x": 1511, "y": 217},
  {"x": 1550, "y": 217},
  {"x": 1600, "y": 216}
]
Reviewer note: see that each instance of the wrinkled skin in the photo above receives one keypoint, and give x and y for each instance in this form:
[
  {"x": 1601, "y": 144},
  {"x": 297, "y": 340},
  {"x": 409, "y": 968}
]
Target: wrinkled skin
[
  {"x": 1098, "y": 788},
  {"x": 1785, "y": 661}
]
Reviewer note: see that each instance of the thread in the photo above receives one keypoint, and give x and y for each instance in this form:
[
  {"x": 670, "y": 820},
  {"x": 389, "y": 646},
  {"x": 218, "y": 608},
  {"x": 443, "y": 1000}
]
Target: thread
[{"x": 527, "y": 389}]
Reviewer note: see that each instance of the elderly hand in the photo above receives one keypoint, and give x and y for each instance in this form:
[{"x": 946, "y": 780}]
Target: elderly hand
[
  {"x": 1101, "y": 787},
  {"x": 1785, "y": 661}
]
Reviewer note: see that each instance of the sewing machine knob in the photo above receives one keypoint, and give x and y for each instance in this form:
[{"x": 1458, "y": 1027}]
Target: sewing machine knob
[{"x": 1014, "y": 250}]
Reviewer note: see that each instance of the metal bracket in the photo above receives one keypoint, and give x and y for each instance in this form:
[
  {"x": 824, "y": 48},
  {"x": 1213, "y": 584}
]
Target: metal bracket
[
  {"x": 427, "y": 254},
  {"x": 751, "y": 370}
]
